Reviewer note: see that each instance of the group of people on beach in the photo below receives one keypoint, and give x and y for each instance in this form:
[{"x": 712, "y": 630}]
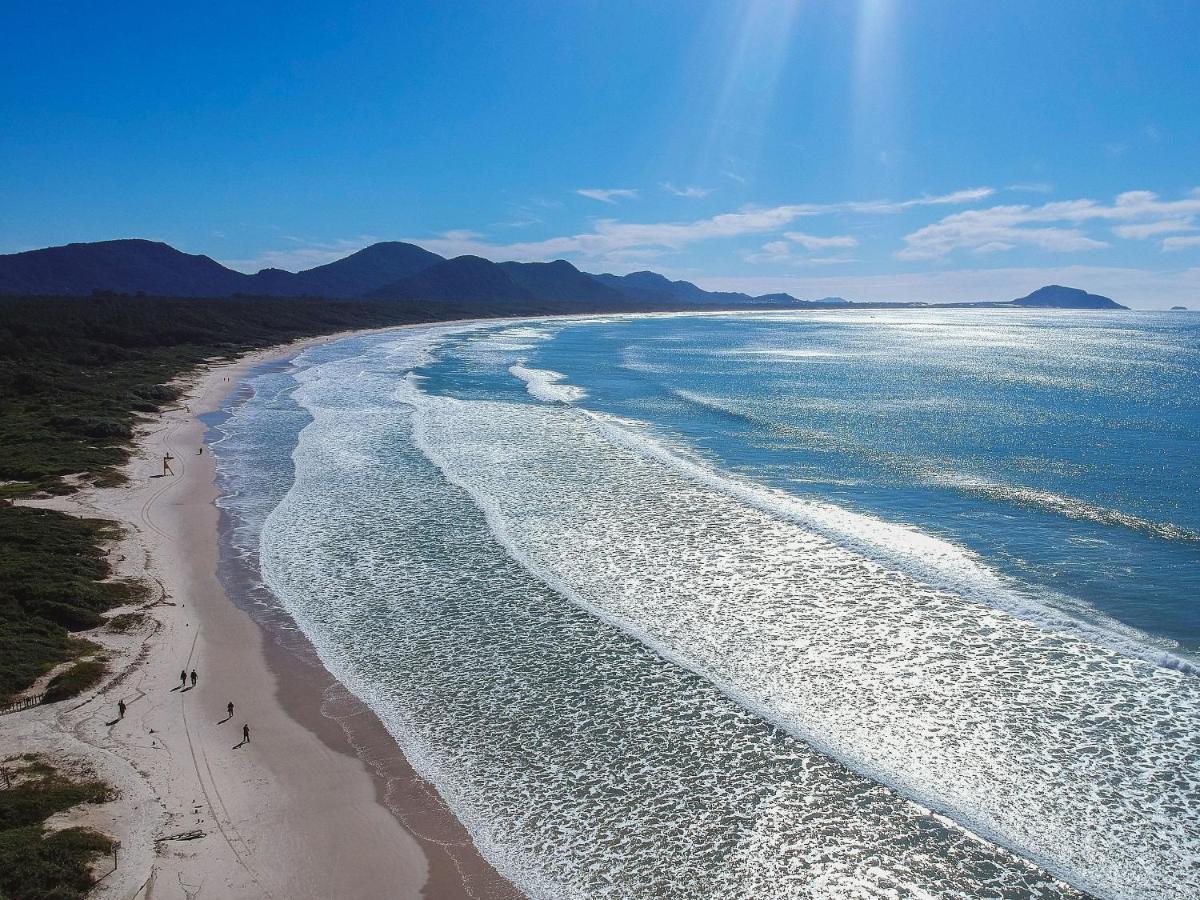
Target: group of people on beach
[
  {"x": 245, "y": 726},
  {"x": 183, "y": 684},
  {"x": 183, "y": 680}
]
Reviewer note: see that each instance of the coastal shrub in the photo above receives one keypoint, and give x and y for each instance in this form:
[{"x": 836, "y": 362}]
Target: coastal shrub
[
  {"x": 80, "y": 677},
  {"x": 53, "y": 580},
  {"x": 93, "y": 426},
  {"x": 76, "y": 376},
  {"x": 36, "y": 864},
  {"x": 69, "y": 616},
  {"x": 125, "y": 622},
  {"x": 40, "y": 791}
]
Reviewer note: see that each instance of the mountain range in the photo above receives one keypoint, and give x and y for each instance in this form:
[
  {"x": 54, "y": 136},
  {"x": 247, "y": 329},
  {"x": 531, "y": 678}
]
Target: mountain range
[{"x": 394, "y": 270}]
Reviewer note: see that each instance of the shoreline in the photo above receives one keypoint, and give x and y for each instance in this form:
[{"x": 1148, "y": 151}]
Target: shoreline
[{"x": 321, "y": 802}]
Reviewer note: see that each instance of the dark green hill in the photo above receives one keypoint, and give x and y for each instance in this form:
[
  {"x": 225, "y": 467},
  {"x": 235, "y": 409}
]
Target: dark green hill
[
  {"x": 353, "y": 276},
  {"x": 1055, "y": 296},
  {"x": 125, "y": 267},
  {"x": 561, "y": 282},
  {"x": 469, "y": 279}
]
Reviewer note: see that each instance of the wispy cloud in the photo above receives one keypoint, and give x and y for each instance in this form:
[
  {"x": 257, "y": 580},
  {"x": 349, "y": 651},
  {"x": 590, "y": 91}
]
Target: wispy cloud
[
  {"x": 691, "y": 191},
  {"x": 608, "y": 195},
  {"x": 1145, "y": 230},
  {"x": 772, "y": 252},
  {"x": 610, "y": 236},
  {"x": 1055, "y": 227},
  {"x": 816, "y": 242},
  {"x": 886, "y": 207},
  {"x": 303, "y": 255},
  {"x": 784, "y": 251},
  {"x": 1031, "y": 187},
  {"x": 1182, "y": 243}
]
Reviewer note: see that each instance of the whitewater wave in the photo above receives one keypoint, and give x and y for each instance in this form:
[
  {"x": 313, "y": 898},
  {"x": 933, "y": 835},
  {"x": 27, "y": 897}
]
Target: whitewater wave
[
  {"x": 851, "y": 633},
  {"x": 546, "y": 384},
  {"x": 1047, "y": 501},
  {"x": 903, "y": 656},
  {"x": 1070, "y": 507},
  {"x": 584, "y": 766},
  {"x": 934, "y": 561}
]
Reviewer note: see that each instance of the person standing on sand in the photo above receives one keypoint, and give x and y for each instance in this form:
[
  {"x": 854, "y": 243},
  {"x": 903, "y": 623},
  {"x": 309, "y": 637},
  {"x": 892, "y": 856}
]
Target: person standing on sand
[
  {"x": 229, "y": 708},
  {"x": 246, "y": 733},
  {"x": 183, "y": 679},
  {"x": 120, "y": 709},
  {"x": 193, "y": 677}
]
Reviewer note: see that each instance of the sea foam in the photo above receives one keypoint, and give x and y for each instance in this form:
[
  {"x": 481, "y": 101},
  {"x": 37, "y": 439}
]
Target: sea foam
[
  {"x": 547, "y": 385},
  {"x": 854, "y": 635},
  {"x": 584, "y": 765}
]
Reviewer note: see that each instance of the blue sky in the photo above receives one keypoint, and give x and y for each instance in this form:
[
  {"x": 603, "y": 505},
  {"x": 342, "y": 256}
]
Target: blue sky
[{"x": 879, "y": 149}]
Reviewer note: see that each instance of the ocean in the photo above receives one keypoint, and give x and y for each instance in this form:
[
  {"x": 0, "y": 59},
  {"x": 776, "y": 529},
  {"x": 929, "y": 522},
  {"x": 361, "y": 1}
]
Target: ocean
[{"x": 846, "y": 604}]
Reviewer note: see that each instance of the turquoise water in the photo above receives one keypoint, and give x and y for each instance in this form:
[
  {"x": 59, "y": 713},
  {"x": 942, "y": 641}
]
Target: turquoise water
[{"x": 848, "y": 604}]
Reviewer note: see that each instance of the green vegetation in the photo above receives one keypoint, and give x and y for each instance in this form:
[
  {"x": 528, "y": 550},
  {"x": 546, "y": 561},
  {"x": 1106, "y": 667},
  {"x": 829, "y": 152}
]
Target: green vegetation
[
  {"x": 76, "y": 373},
  {"x": 36, "y": 864},
  {"x": 76, "y": 679},
  {"x": 53, "y": 581},
  {"x": 76, "y": 376},
  {"x": 125, "y": 622}
]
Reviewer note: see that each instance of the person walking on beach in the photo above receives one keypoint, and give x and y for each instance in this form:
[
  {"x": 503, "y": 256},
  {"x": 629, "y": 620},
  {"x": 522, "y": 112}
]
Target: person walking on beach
[
  {"x": 246, "y": 733},
  {"x": 183, "y": 679},
  {"x": 193, "y": 677},
  {"x": 120, "y": 709},
  {"x": 229, "y": 708}
]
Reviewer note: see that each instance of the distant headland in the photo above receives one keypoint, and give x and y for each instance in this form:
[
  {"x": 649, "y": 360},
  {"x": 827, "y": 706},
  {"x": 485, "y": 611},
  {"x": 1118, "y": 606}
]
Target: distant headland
[{"x": 394, "y": 270}]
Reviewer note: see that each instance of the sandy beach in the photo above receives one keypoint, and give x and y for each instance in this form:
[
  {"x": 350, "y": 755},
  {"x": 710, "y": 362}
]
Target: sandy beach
[{"x": 319, "y": 803}]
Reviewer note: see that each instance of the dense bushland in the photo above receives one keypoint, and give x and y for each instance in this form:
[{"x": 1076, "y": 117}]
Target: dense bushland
[{"x": 76, "y": 374}]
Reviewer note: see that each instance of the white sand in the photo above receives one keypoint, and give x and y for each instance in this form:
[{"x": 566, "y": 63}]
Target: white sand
[{"x": 290, "y": 815}]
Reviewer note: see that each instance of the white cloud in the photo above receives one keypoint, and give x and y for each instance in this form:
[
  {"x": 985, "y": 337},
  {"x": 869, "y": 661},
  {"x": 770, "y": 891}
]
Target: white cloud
[
  {"x": 827, "y": 260},
  {"x": 1152, "y": 229},
  {"x": 772, "y": 252},
  {"x": 967, "y": 196},
  {"x": 1031, "y": 187},
  {"x": 1181, "y": 243},
  {"x": 608, "y": 195},
  {"x": 989, "y": 231},
  {"x": 784, "y": 251},
  {"x": 815, "y": 242},
  {"x": 609, "y": 236},
  {"x": 691, "y": 191},
  {"x": 1052, "y": 226}
]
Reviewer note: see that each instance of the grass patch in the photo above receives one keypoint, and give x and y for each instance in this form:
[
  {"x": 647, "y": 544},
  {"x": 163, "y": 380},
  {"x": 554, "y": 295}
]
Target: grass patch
[
  {"x": 35, "y": 865},
  {"x": 125, "y": 622},
  {"x": 40, "y": 865},
  {"x": 81, "y": 676},
  {"x": 39, "y": 791},
  {"x": 53, "y": 581}
]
